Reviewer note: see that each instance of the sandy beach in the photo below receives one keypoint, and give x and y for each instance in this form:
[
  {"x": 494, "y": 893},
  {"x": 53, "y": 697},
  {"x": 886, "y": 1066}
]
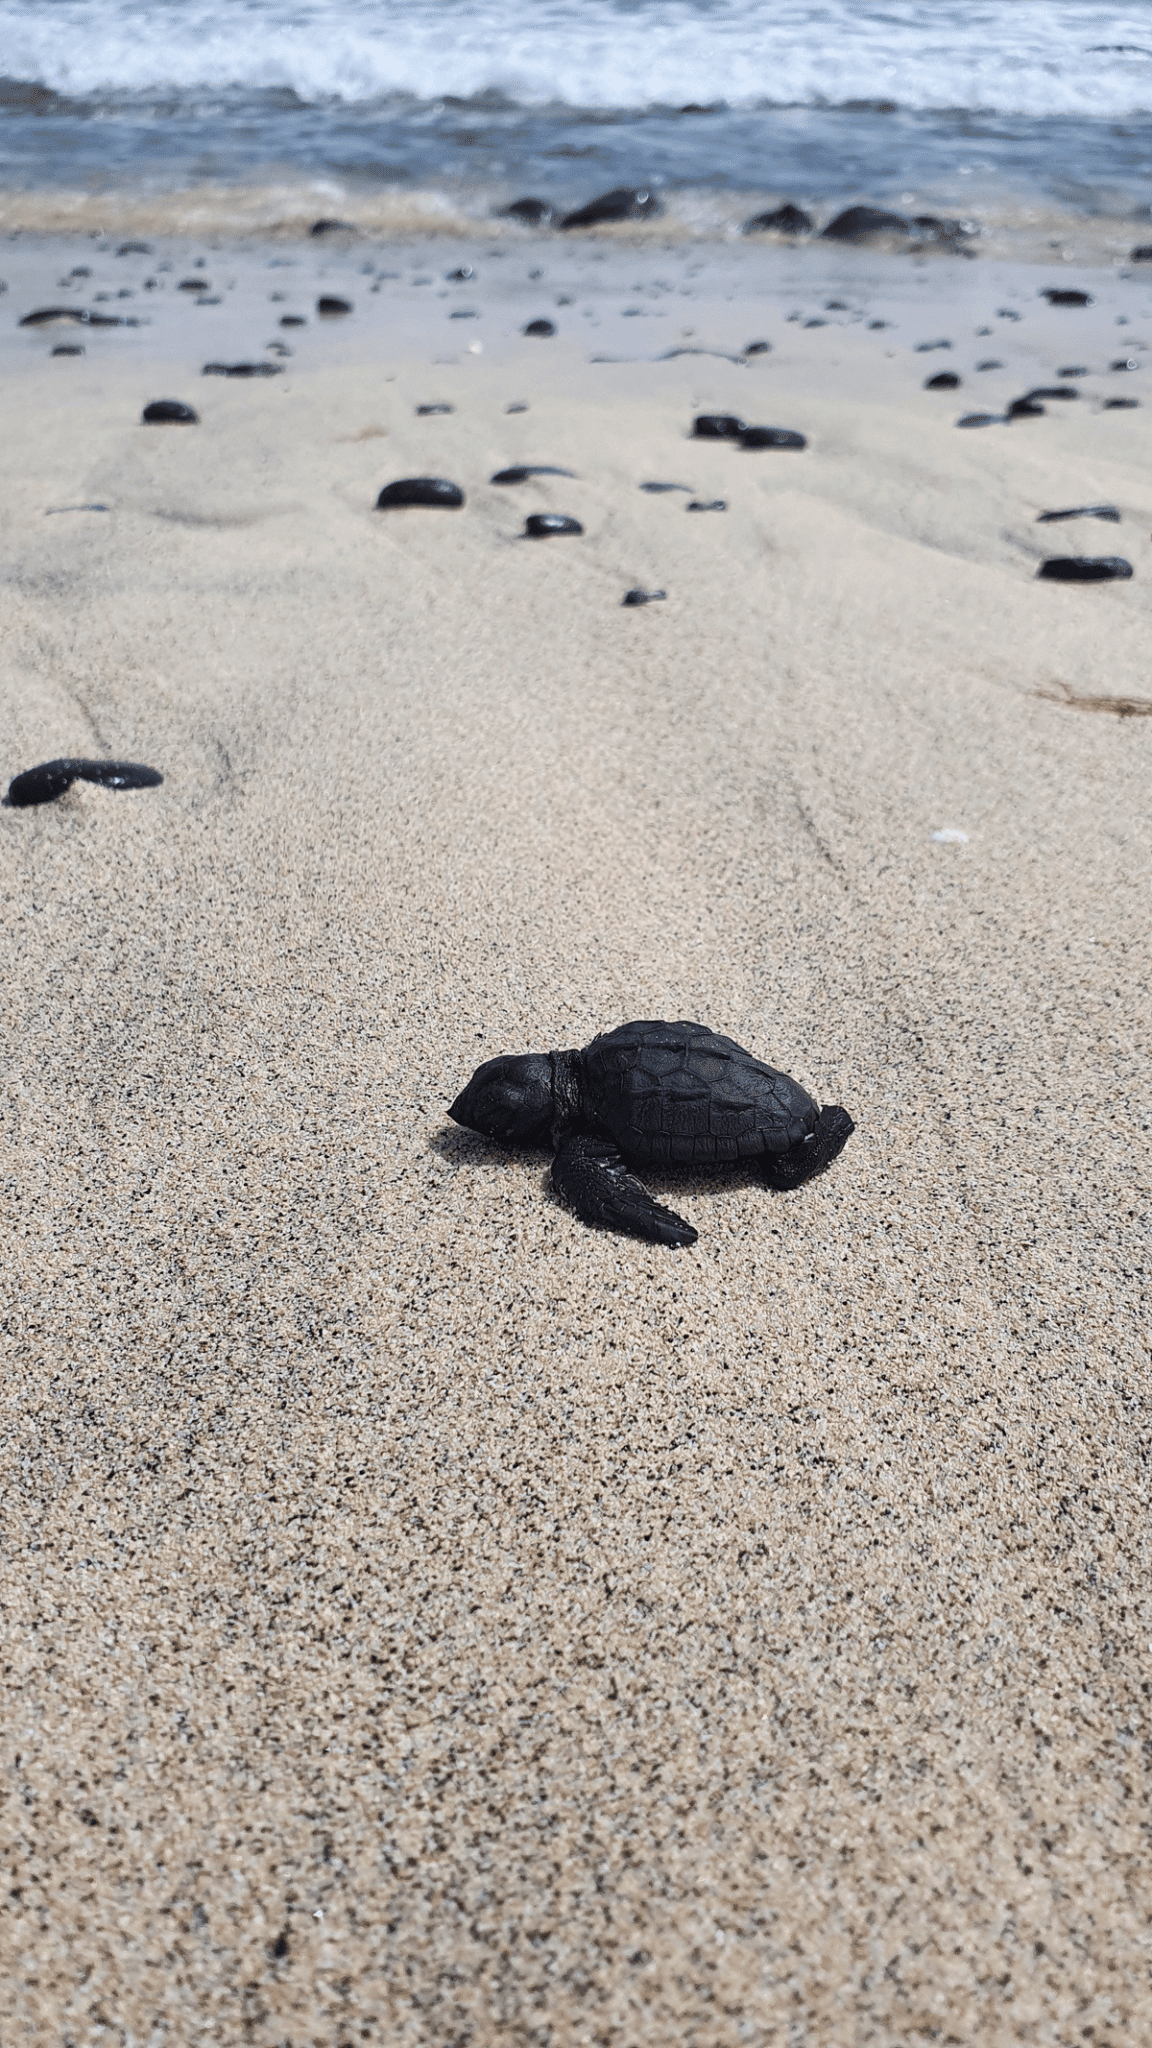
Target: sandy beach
[{"x": 427, "y": 1620}]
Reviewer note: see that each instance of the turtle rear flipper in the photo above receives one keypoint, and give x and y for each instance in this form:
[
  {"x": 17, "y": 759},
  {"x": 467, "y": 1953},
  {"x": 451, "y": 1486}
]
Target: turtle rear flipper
[
  {"x": 590, "y": 1175},
  {"x": 783, "y": 1170}
]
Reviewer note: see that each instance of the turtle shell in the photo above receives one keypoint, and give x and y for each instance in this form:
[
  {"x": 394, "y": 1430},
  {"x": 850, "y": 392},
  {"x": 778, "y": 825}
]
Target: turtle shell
[{"x": 681, "y": 1093}]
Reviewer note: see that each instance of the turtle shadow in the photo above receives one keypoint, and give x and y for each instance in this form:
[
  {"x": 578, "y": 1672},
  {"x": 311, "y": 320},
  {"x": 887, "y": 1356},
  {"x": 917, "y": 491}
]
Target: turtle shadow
[{"x": 458, "y": 1147}]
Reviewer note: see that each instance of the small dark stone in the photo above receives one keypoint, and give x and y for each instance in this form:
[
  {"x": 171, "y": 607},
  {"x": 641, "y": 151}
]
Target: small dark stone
[
  {"x": 980, "y": 419},
  {"x": 717, "y": 426},
  {"x": 635, "y": 597},
  {"x": 1053, "y": 391},
  {"x": 1142, "y": 254},
  {"x": 1125, "y": 363},
  {"x": 169, "y": 412},
  {"x": 1121, "y": 404},
  {"x": 461, "y": 275},
  {"x": 925, "y": 348},
  {"x": 771, "y": 437},
  {"x": 1081, "y": 512},
  {"x": 521, "y": 471},
  {"x": 783, "y": 220},
  {"x": 990, "y": 363},
  {"x": 817, "y": 322},
  {"x": 419, "y": 490},
  {"x": 944, "y": 380},
  {"x": 331, "y": 308},
  {"x": 68, "y": 348},
  {"x": 193, "y": 284},
  {"x": 1024, "y": 409},
  {"x": 859, "y": 223},
  {"x": 1074, "y": 370},
  {"x": 666, "y": 487},
  {"x": 874, "y": 326},
  {"x": 540, "y": 327},
  {"x": 1006, "y": 313},
  {"x": 111, "y": 320},
  {"x": 536, "y": 213},
  {"x": 1085, "y": 569},
  {"x": 1059, "y": 295},
  {"x": 625, "y": 202},
  {"x": 41, "y": 785},
  {"x": 134, "y": 249},
  {"x": 280, "y": 1945},
  {"x": 425, "y": 411},
  {"x": 293, "y": 320},
  {"x": 332, "y": 227},
  {"x": 461, "y": 314},
  {"x": 757, "y": 348},
  {"x": 242, "y": 370},
  {"x": 46, "y": 316},
  {"x": 516, "y": 406},
  {"x": 836, "y": 306},
  {"x": 706, "y": 505},
  {"x": 539, "y": 525}
]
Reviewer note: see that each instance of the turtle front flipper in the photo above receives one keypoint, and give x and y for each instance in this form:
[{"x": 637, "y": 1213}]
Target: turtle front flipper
[{"x": 590, "y": 1175}]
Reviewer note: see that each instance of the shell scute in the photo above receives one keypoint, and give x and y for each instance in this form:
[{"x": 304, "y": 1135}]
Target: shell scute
[{"x": 681, "y": 1093}]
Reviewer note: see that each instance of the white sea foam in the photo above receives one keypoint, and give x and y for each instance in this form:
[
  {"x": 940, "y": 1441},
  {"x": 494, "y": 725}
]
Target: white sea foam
[{"x": 1032, "y": 57}]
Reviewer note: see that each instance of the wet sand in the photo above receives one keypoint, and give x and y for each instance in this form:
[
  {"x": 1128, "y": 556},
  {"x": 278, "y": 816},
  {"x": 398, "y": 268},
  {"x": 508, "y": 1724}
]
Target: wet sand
[{"x": 428, "y": 1620}]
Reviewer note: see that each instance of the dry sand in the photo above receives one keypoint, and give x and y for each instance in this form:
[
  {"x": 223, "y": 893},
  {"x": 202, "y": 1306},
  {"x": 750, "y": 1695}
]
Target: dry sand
[{"x": 428, "y": 1621}]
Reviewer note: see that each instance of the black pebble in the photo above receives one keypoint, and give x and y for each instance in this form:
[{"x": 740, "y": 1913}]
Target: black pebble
[
  {"x": 771, "y": 437},
  {"x": 625, "y": 202},
  {"x": 461, "y": 314},
  {"x": 980, "y": 419},
  {"x": 1058, "y": 296},
  {"x": 1142, "y": 254},
  {"x": 666, "y": 487},
  {"x": 539, "y": 525},
  {"x": 516, "y": 406},
  {"x": 758, "y": 348},
  {"x": 944, "y": 380},
  {"x": 535, "y": 212},
  {"x": 1085, "y": 569},
  {"x": 1006, "y": 313},
  {"x": 424, "y": 411},
  {"x": 1024, "y": 409},
  {"x": 170, "y": 412},
  {"x": 925, "y": 348},
  {"x": 419, "y": 490},
  {"x": 874, "y": 326},
  {"x": 521, "y": 471},
  {"x": 635, "y": 597},
  {"x": 540, "y": 327},
  {"x": 992, "y": 363},
  {"x": 293, "y": 320},
  {"x": 46, "y": 315},
  {"x": 193, "y": 284},
  {"x": 331, "y": 227},
  {"x": 331, "y": 309},
  {"x": 40, "y": 785},
  {"x": 858, "y": 223},
  {"x": 1074, "y": 370},
  {"x": 242, "y": 370},
  {"x": 1081, "y": 512},
  {"x": 1120, "y": 404},
  {"x": 783, "y": 220},
  {"x": 706, "y": 505},
  {"x": 717, "y": 426},
  {"x": 816, "y": 323},
  {"x": 1051, "y": 391},
  {"x": 68, "y": 348},
  {"x": 134, "y": 249}
]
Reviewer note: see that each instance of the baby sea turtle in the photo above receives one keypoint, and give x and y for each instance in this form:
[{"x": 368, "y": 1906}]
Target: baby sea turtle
[{"x": 651, "y": 1094}]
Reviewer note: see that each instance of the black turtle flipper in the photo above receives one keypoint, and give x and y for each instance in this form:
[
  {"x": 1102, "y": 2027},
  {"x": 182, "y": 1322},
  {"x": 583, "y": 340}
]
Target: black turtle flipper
[
  {"x": 783, "y": 1170},
  {"x": 590, "y": 1175}
]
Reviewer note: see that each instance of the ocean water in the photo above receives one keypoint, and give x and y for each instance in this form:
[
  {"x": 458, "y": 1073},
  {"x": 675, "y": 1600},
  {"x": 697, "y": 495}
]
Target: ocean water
[{"x": 1022, "y": 109}]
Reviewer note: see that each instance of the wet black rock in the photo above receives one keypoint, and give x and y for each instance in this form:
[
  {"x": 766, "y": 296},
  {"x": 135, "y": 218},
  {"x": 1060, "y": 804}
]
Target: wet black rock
[
  {"x": 981, "y": 419},
  {"x": 944, "y": 380},
  {"x": 1121, "y": 404},
  {"x": 41, "y": 785},
  {"x": 420, "y": 490},
  {"x": 874, "y": 326},
  {"x": 540, "y": 525},
  {"x": 1081, "y": 512},
  {"x": 521, "y": 471},
  {"x": 425, "y": 411},
  {"x": 926, "y": 348},
  {"x": 331, "y": 308},
  {"x": 1053, "y": 391},
  {"x": 783, "y": 220},
  {"x": 293, "y": 320},
  {"x": 771, "y": 437},
  {"x": 68, "y": 348},
  {"x": 860, "y": 223},
  {"x": 1060, "y": 295},
  {"x": 717, "y": 426},
  {"x": 242, "y": 370},
  {"x": 169, "y": 412},
  {"x": 1024, "y": 409},
  {"x": 194, "y": 284},
  {"x": 1085, "y": 569},
  {"x": 635, "y": 597},
  {"x": 50, "y": 316},
  {"x": 536, "y": 213},
  {"x": 666, "y": 487},
  {"x": 706, "y": 505},
  {"x": 757, "y": 348},
  {"x": 541, "y": 328},
  {"x": 1142, "y": 254},
  {"x": 134, "y": 249},
  {"x": 625, "y": 202},
  {"x": 332, "y": 227}
]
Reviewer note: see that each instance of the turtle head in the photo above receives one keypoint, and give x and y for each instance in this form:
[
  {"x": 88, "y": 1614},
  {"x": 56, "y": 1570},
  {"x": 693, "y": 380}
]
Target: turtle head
[{"x": 510, "y": 1099}]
